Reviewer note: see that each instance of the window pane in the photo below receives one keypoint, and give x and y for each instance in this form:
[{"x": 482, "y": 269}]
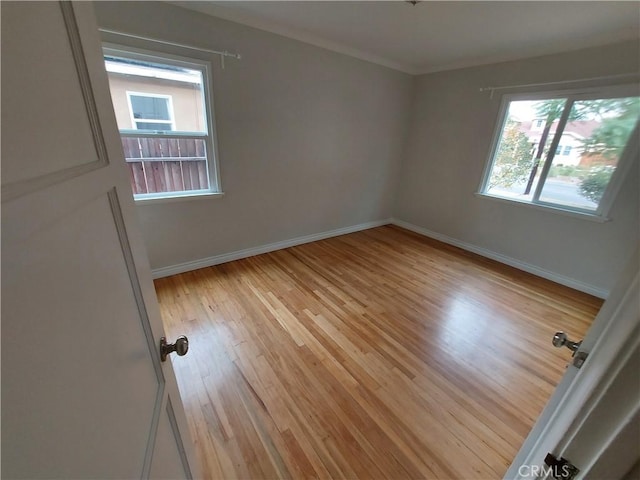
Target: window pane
[
  {"x": 594, "y": 138},
  {"x": 524, "y": 142},
  {"x": 147, "y": 84},
  {"x": 166, "y": 164},
  {"x": 150, "y": 108}
]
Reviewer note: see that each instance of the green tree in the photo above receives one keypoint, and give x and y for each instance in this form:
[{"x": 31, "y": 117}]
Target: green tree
[
  {"x": 595, "y": 183},
  {"x": 513, "y": 159},
  {"x": 549, "y": 111},
  {"x": 618, "y": 119}
]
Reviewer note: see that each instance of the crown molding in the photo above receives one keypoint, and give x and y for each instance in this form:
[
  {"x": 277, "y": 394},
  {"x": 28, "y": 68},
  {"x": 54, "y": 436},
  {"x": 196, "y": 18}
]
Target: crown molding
[
  {"x": 251, "y": 20},
  {"x": 295, "y": 34}
]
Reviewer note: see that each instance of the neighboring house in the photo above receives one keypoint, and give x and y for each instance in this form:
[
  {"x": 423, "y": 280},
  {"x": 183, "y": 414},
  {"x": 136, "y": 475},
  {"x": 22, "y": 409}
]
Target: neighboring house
[
  {"x": 155, "y": 99},
  {"x": 570, "y": 148}
]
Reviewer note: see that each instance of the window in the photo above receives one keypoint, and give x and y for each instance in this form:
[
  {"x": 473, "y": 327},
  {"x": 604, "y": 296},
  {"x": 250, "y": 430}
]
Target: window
[
  {"x": 151, "y": 111},
  {"x": 162, "y": 107},
  {"x": 601, "y": 124}
]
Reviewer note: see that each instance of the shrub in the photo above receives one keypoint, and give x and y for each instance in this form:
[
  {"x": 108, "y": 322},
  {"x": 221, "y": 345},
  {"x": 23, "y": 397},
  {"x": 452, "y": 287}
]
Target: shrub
[{"x": 595, "y": 182}]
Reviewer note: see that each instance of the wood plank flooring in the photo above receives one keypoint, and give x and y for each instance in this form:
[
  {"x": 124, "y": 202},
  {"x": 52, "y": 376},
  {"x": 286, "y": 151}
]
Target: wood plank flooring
[{"x": 379, "y": 354}]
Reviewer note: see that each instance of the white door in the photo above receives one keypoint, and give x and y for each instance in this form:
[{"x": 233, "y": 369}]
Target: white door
[
  {"x": 593, "y": 407},
  {"x": 605, "y": 442},
  {"x": 84, "y": 393}
]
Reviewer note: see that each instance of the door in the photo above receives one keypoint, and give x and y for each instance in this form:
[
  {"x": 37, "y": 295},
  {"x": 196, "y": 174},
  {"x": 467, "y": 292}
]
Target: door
[
  {"x": 604, "y": 442},
  {"x": 571, "y": 426},
  {"x": 84, "y": 392}
]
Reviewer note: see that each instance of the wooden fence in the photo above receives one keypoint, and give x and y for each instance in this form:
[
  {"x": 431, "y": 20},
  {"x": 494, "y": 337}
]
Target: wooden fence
[{"x": 166, "y": 164}]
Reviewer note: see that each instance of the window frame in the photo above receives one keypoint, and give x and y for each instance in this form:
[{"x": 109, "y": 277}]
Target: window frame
[
  {"x": 134, "y": 121},
  {"x": 625, "y": 160},
  {"x": 209, "y": 136}
]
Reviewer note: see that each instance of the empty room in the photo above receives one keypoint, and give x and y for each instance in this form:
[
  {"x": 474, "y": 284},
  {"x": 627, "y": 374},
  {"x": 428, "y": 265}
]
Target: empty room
[{"x": 310, "y": 239}]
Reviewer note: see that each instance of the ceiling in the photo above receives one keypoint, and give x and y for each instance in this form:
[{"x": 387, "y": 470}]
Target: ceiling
[{"x": 433, "y": 36}]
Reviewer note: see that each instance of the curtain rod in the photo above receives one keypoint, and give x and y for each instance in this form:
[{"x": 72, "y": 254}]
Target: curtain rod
[
  {"x": 591, "y": 79},
  {"x": 222, "y": 54}
]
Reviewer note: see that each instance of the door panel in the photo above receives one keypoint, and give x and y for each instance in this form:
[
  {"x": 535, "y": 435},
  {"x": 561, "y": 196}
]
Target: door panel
[
  {"x": 84, "y": 394},
  {"x": 169, "y": 461},
  {"x": 77, "y": 325},
  {"x": 51, "y": 95}
]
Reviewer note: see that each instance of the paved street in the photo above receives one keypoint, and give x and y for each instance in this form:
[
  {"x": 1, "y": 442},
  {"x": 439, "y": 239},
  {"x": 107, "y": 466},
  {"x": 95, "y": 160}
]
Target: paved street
[{"x": 556, "y": 191}]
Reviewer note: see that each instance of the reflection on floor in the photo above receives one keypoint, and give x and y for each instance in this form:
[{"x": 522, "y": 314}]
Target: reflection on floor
[{"x": 379, "y": 354}]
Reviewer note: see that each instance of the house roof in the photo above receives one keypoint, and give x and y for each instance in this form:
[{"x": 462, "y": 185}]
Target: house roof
[{"x": 578, "y": 128}]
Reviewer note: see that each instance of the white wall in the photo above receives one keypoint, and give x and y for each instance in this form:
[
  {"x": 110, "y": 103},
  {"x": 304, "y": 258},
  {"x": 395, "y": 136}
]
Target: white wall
[
  {"x": 312, "y": 141},
  {"x": 448, "y": 144},
  {"x": 309, "y": 140}
]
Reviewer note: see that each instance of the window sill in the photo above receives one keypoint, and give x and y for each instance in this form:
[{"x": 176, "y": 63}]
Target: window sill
[
  {"x": 181, "y": 197},
  {"x": 546, "y": 208}
]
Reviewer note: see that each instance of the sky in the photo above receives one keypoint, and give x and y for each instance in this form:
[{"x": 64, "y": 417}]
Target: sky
[{"x": 523, "y": 110}]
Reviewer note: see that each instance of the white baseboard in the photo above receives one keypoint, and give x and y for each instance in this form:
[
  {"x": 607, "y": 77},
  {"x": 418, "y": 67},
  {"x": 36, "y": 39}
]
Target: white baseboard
[
  {"x": 250, "y": 252},
  {"x": 520, "y": 265}
]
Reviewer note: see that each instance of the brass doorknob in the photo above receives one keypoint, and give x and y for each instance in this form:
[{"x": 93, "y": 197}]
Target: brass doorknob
[{"x": 181, "y": 347}]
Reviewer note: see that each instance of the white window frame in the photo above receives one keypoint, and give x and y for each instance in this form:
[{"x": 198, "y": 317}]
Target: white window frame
[
  {"x": 624, "y": 162},
  {"x": 134, "y": 121},
  {"x": 209, "y": 136}
]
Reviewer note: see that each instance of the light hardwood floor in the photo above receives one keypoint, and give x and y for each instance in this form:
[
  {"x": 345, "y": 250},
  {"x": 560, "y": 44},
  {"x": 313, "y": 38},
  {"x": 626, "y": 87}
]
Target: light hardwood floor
[{"x": 379, "y": 354}]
